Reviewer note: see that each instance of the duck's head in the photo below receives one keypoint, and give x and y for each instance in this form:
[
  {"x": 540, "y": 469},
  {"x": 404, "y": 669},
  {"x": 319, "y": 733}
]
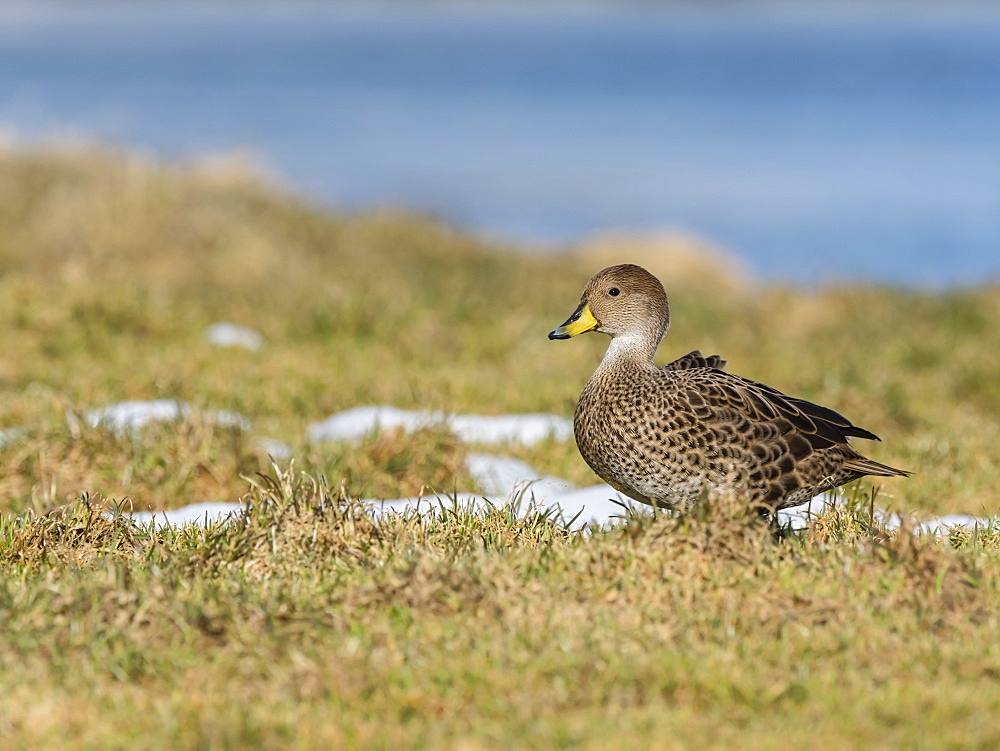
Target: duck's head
[{"x": 623, "y": 300}]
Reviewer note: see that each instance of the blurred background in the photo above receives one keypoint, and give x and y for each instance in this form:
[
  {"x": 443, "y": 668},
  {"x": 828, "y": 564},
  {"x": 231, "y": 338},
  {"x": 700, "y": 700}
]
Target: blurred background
[{"x": 815, "y": 141}]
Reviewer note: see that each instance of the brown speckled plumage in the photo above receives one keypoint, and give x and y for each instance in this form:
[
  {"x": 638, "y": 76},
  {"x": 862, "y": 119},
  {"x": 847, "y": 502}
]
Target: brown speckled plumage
[{"x": 666, "y": 435}]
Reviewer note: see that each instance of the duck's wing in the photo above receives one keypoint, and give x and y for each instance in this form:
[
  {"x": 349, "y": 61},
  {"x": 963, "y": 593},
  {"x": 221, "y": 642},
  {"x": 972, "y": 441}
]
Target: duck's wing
[
  {"x": 696, "y": 359},
  {"x": 820, "y": 426},
  {"x": 806, "y": 427}
]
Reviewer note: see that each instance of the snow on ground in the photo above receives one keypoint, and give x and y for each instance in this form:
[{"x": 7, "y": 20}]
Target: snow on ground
[
  {"x": 125, "y": 417},
  {"x": 128, "y": 417},
  {"x": 942, "y": 525},
  {"x": 501, "y": 475},
  {"x": 599, "y": 504},
  {"x": 201, "y": 514},
  {"x": 224, "y": 334},
  {"x": 577, "y": 509},
  {"x": 10, "y": 434},
  {"x": 501, "y": 480},
  {"x": 273, "y": 447},
  {"x": 359, "y": 422}
]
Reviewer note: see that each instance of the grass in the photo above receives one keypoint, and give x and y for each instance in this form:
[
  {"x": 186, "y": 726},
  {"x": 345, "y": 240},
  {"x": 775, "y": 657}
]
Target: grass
[{"x": 308, "y": 625}]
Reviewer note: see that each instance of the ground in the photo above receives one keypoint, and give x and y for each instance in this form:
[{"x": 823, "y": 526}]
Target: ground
[{"x": 307, "y": 625}]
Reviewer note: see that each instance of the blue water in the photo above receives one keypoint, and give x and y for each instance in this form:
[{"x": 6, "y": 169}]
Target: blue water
[{"x": 817, "y": 145}]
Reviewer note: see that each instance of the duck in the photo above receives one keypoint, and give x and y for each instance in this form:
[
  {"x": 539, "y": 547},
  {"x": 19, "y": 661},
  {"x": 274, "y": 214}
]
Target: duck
[{"x": 673, "y": 435}]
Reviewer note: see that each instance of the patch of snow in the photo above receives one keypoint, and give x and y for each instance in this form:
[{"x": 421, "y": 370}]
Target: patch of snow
[
  {"x": 200, "y": 514},
  {"x": 600, "y": 504},
  {"x": 124, "y": 417},
  {"x": 945, "y": 524},
  {"x": 500, "y": 475},
  {"x": 524, "y": 429},
  {"x": 799, "y": 517},
  {"x": 356, "y": 423},
  {"x": 887, "y": 520},
  {"x": 429, "y": 504},
  {"x": 225, "y": 334},
  {"x": 10, "y": 434},
  {"x": 273, "y": 447},
  {"x": 942, "y": 525}
]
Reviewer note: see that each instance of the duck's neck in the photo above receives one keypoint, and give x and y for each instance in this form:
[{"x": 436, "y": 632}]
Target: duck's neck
[{"x": 632, "y": 350}]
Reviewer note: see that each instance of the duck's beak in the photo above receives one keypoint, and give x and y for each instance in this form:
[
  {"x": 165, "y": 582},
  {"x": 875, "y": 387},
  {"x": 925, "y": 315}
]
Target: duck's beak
[{"x": 582, "y": 320}]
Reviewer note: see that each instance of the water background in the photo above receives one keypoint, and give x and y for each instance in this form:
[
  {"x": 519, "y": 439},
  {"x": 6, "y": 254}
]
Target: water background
[{"x": 857, "y": 141}]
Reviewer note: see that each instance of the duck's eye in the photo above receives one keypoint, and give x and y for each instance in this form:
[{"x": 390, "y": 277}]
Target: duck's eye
[{"x": 614, "y": 292}]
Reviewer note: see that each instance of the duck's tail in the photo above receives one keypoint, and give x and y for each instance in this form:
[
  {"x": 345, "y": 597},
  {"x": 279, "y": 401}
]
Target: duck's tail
[{"x": 865, "y": 466}]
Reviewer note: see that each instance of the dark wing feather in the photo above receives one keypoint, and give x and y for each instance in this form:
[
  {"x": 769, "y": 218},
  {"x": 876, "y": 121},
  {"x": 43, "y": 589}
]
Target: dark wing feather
[
  {"x": 696, "y": 359},
  {"x": 821, "y": 427},
  {"x": 834, "y": 418},
  {"x": 816, "y": 411}
]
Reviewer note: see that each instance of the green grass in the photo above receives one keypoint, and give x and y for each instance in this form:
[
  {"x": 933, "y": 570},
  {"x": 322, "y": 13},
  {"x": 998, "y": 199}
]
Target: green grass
[{"x": 307, "y": 625}]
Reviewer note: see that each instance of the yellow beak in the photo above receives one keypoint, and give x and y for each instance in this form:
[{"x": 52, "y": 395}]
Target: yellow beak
[{"x": 581, "y": 321}]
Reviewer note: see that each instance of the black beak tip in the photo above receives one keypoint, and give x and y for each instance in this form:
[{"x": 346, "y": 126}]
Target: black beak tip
[{"x": 556, "y": 334}]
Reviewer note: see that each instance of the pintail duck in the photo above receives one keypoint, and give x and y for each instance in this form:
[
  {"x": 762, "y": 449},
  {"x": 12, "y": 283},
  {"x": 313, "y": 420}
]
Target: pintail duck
[{"x": 667, "y": 435}]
